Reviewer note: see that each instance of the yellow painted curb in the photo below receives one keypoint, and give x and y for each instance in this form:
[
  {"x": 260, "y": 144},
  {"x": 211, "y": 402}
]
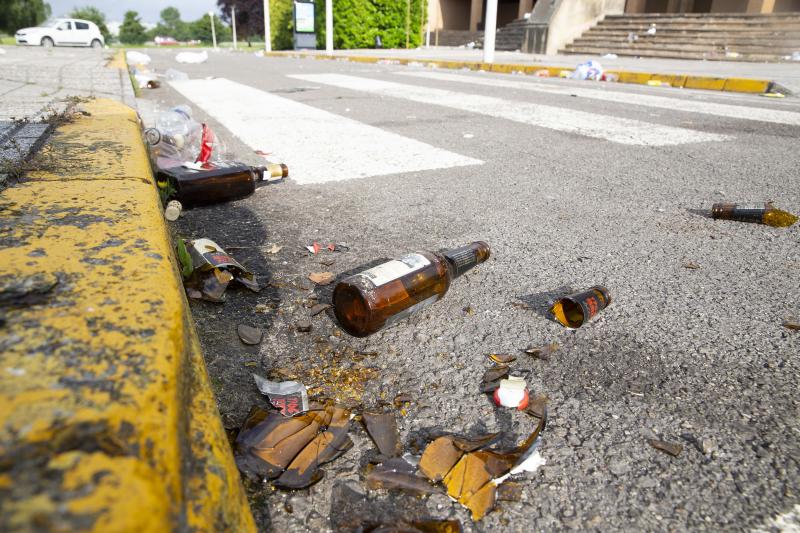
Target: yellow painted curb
[
  {"x": 741, "y": 85},
  {"x": 118, "y": 61},
  {"x": 108, "y": 421}
]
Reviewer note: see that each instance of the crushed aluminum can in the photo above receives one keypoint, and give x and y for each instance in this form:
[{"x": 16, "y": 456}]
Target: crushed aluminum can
[
  {"x": 575, "y": 310},
  {"x": 208, "y": 255},
  {"x": 290, "y": 397}
]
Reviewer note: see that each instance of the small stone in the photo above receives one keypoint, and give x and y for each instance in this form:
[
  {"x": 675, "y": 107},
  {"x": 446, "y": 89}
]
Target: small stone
[
  {"x": 303, "y": 326},
  {"x": 249, "y": 334},
  {"x": 708, "y": 446},
  {"x": 322, "y": 278}
]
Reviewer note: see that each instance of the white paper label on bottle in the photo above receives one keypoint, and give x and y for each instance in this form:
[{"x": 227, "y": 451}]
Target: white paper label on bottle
[{"x": 392, "y": 270}]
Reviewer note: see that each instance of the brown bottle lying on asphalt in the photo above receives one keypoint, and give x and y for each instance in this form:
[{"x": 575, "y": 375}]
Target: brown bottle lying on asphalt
[
  {"x": 760, "y": 214},
  {"x": 371, "y": 300},
  {"x": 219, "y": 182}
]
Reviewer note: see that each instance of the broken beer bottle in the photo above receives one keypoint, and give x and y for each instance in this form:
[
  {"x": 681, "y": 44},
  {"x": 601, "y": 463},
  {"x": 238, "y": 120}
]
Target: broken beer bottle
[
  {"x": 216, "y": 182},
  {"x": 368, "y": 301},
  {"x": 760, "y": 214}
]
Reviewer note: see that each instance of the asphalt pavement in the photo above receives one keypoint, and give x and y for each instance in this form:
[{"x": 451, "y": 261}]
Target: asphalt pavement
[{"x": 571, "y": 189}]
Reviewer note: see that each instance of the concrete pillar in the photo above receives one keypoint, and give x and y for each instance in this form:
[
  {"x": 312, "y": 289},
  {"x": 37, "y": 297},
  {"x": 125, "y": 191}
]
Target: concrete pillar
[
  {"x": 760, "y": 6},
  {"x": 525, "y": 6},
  {"x": 635, "y": 6},
  {"x": 475, "y": 14}
]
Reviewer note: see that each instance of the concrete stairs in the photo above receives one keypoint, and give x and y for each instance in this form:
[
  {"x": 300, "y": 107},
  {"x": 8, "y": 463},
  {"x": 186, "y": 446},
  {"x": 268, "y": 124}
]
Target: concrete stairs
[
  {"x": 456, "y": 37},
  {"x": 728, "y": 37},
  {"x": 510, "y": 37}
]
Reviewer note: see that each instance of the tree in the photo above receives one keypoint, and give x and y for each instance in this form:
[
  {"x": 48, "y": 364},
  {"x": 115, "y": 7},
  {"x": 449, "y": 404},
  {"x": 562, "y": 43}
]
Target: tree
[
  {"x": 171, "y": 25},
  {"x": 200, "y": 30},
  {"x": 17, "y": 14},
  {"x": 95, "y": 15},
  {"x": 249, "y": 16},
  {"x": 131, "y": 31}
]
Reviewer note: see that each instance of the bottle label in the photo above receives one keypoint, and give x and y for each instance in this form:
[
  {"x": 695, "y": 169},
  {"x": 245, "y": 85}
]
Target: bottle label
[
  {"x": 411, "y": 310},
  {"x": 392, "y": 270}
]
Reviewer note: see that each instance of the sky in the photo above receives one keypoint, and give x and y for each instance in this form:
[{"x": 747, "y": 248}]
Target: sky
[{"x": 148, "y": 9}]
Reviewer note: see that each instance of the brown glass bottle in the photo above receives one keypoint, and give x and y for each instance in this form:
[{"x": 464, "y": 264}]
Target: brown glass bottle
[
  {"x": 371, "y": 300},
  {"x": 760, "y": 214},
  {"x": 221, "y": 182}
]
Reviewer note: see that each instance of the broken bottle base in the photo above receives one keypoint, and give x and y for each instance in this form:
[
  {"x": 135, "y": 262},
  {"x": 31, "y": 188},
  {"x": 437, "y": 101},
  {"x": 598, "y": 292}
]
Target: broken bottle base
[{"x": 575, "y": 310}]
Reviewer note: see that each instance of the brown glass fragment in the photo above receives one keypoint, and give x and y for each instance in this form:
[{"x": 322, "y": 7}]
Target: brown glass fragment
[
  {"x": 482, "y": 501},
  {"x": 502, "y": 359},
  {"x": 537, "y": 406},
  {"x": 792, "y": 324},
  {"x": 542, "y": 352},
  {"x": 495, "y": 373},
  {"x": 268, "y": 443},
  {"x": 509, "y": 491},
  {"x": 476, "y": 443},
  {"x": 438, "y": 458},
  {"x": 382, "y": 428},
  {"x": 474, "y": 470},
  {"x": 304, "y": 471},
  {"x": 672, "y": 448},
  {"x": 420, "y": 526},
  {"x": 386, "y": 476}
]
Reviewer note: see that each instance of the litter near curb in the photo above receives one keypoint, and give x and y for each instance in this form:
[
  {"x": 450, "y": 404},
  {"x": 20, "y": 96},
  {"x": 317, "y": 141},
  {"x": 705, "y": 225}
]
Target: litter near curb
[
  {"x": 289, "y": 397},
  {"x": 192, "y": 57},
  {"x": 511, "y": 392},
  {"x": 756, "y": 213},
  {"x": 471, "y": 472},
  {"x": 290, "y": 451},
  {"x": 542, "y": 352},
  {"x": 382, "y": 295},
  {"x": 575, "y": 310},
  {"x": 212, "y": 269}
]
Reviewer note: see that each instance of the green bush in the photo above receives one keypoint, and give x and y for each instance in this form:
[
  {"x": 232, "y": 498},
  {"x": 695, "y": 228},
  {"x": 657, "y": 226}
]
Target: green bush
[{"x": 356, "y": 23}]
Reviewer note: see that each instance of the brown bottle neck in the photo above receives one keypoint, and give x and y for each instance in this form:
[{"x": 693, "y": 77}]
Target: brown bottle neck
[{"x": 466, "y": 257}]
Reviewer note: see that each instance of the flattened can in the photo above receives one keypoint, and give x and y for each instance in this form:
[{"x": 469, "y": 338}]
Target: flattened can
[{"x": 575, "y": 310}]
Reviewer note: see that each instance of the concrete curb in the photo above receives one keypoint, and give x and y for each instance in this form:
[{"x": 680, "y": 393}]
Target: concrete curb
[
  {"x": 108, "y": 419},
  {"x": 737, "y": 85}
]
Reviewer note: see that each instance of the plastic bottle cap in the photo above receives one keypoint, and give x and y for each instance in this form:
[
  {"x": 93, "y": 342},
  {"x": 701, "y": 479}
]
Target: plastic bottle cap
[
  {"x": 512, "y": 392},
  {"x": 173, "y": 210}
]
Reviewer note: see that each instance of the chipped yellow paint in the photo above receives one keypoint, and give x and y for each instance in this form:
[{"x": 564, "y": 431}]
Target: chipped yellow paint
[
  {"x": 704, "y": 82},
  {"x": 118, "y": 61},
  {"x": 673, "y": 80},
  {"x": 107, "y": 419},
  {"x": 741, "y": 85},
  {"x": 640, "y": 78}
]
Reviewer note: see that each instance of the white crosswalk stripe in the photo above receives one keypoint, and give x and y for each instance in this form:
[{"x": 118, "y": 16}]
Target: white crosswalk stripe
[
  {"x": 318, "y": 146},
  {"x": 615, "y": 129},
  {"x": 627, "y": 98}
]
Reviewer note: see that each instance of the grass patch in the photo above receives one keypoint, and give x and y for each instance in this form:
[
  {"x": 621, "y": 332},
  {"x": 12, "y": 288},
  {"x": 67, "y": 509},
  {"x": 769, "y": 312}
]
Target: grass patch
[{"x": 14, "y": 168}]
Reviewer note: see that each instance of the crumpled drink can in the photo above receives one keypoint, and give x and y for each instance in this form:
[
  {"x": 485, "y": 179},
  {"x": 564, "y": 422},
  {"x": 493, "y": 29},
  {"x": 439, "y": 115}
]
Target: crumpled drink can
[{"x": 575, "y": 310}]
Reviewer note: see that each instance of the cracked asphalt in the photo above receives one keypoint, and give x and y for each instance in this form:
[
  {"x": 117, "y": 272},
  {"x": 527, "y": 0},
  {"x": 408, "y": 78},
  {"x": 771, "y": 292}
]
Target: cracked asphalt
[{"x": 694, "y": 356}]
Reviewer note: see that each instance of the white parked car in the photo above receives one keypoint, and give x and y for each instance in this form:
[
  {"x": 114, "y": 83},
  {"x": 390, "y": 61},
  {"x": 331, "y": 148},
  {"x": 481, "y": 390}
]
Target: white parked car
[{"x": 62, "y": 32}]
